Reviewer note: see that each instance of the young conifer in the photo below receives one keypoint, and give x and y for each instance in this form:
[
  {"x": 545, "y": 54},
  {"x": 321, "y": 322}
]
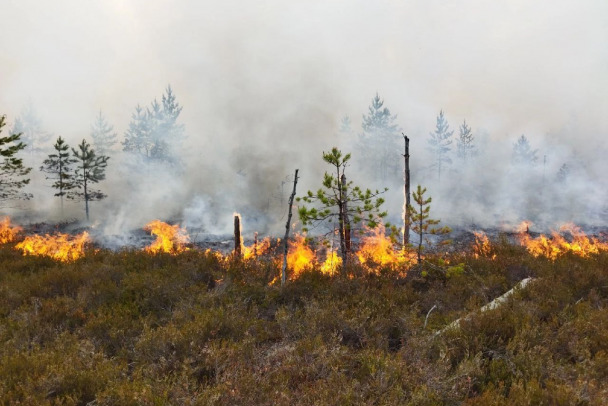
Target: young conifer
[
  {"x": 12, "y": 171},
  {"x": 439, "y": 143},
  {"x": 90, "y": 169},
  {"x": 420, "y": 221},
  {"x": 340, "y": 200},
  {"x": 58, "y": 166}
]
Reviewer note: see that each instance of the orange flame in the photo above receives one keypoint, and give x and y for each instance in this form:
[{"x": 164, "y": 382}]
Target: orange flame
[
  {"x": 482, "y": 246},
  {"x": 378, "y": 250},
  {"x": 255, "y": 250},
  {"x": 300, "y": 256},
  {"x": 331, "y": 264},
  {"x": 169, "y": 239},
  {"x": 556, "y": 245},
  {"x": 8, "y": 233},
  {"x": 61, "y": 247}
]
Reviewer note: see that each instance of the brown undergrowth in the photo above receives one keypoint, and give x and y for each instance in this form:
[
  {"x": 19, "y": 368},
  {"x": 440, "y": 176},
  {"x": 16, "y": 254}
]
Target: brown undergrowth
[{"x": 132, "y": 328}]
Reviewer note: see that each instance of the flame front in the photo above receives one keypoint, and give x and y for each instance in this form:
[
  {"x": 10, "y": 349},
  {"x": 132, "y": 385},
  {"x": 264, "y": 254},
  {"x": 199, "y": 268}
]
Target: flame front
[
  {"x": 169, "y": 239},
  {"x": 300, "y": 256},
  {"x": 377, "y": 250},
  {"x": 8, "y": 233},
  {"x": 482, "y": 246},
  {"x": 331, "y": 264},
  {"x": 256, "y": 249},
  {"x": 556, "y": 245},
  {"x": 61, "y": 247}
]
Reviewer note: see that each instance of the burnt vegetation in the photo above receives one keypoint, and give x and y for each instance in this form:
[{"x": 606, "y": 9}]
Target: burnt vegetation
[{"x": 129, "y": 327}]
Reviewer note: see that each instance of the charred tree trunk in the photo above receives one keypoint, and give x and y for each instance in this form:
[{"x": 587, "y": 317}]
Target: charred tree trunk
[
  {"x": 406, "y": 211},
  {"x": 287, "y": 227},
  {"x": 237, "y": 236}
]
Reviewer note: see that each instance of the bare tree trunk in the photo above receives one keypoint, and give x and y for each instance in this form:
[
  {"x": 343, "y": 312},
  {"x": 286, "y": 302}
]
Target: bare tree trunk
[
  {"x": 86, "y": 199},
  {"x": 421, "y": 234},
  {"x": 343, "y": 252},
  {"x": 287, "y": 227},
  {"x": 237, "y": 236},
  {"x": 347, "y": 230},
  {"x": 255, "y": 244},
  {"x": 406, "y": 212}
]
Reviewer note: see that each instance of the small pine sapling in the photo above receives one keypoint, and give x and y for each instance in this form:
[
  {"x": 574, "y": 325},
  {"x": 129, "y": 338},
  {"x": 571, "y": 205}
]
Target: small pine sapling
[
  {"x": 340, "y": 200},
  {"x": 91, "y": 169},
  {"x": 420, "y": 221},
  {"x": 58, "y": 166}
]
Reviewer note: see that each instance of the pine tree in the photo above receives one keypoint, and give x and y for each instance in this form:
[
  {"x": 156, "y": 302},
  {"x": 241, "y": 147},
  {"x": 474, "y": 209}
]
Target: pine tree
[
  {"x": 340, "y": 200},
  {"x": 58, "y": 165},
  {"x": 91, "y": 169},
  {"x": 12, "y": 171},
  {"x": 137, "y": 137},
  {"x": 439, "y": 143},
  {"x": 154, "y": 133},
  {"x": 420, "y": 220},
  {"x": 171, "y": 112},
  {"x": 103, "y": 135},
  {"x": 30, "y": 126},
  {"x": 346, "y": 127},
  {"x": 379, "y": 142},
  {"x": 465, "y": 147},
  {"x": 563, "y": 173},
  {"x": 523, "y": 154}
]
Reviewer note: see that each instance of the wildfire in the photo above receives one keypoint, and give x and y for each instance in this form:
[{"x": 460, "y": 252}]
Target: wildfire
[
  {"x": 169, "y": 239},
  {"x": 524, "y": 227},
  {"x": 332, "y": 263},
  {"x": 482, "y": 246},
  {"x": 556, "y": 245},
  {"x": 377, "y": 250},
  {"x": 300, "y": 256},
  {"x": 61, "y": 247},
  {"x": 256, "y": 249},
  {"x": 8, "y": 233}
]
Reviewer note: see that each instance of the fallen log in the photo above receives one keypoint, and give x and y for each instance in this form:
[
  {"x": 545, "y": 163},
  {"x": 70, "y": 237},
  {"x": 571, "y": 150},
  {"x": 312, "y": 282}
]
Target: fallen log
[{"x": 500, "y": 300}]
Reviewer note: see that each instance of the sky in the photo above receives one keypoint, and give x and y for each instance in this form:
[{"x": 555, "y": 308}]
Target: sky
[{"x": 273, "y": 78}]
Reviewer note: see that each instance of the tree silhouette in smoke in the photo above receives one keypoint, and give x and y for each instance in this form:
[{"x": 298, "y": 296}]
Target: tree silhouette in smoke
[
  {"x": 379, "y": 142},
  {"x": 523, "y": 154},
  {"x": 465, "y": 143},
  {"x": 103, "y": 135},
  {"x": 154, "y": 133},
  {"x": 439, "y": 143}
]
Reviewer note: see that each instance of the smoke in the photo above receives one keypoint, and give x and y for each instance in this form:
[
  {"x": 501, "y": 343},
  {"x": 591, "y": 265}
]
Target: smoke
[{"x": 265, "y": 84}]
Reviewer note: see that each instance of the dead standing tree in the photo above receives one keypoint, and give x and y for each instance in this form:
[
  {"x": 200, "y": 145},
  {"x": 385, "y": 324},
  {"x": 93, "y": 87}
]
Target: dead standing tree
[
  {"x": 407, "y": 203},
  {"x": 237, "y": 236},
  {"x": 287, "y": 227}
]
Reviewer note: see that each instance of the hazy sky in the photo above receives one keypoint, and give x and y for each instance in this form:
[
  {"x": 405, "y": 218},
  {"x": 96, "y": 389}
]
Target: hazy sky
[
  {"x": 280, "y": 74},
  {"x": 504, "y": 65}
]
